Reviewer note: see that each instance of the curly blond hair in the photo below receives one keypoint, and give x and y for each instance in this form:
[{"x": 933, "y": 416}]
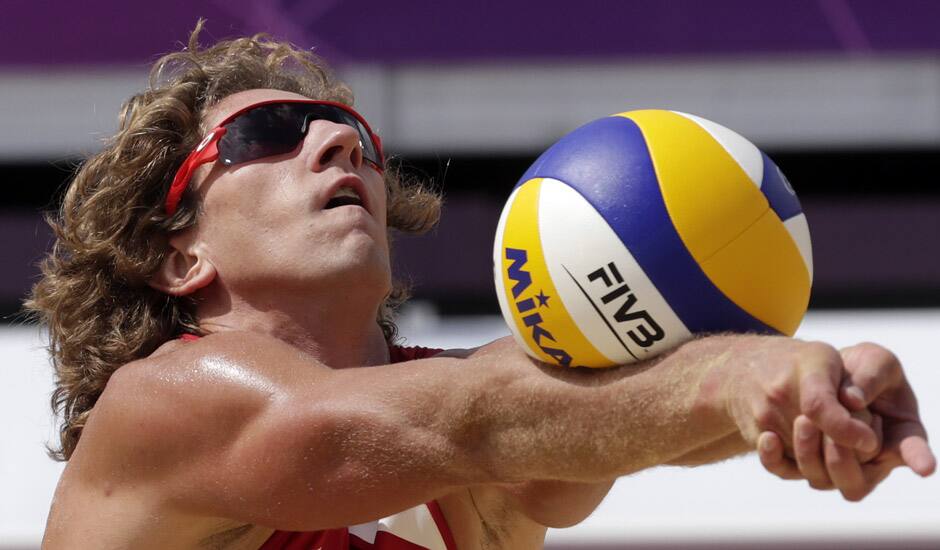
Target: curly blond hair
[{"x": 111, "y": 229}]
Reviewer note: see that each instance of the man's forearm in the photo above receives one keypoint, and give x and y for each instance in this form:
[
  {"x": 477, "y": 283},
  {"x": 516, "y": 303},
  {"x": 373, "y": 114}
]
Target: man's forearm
[{"x": 549, "y": 423}]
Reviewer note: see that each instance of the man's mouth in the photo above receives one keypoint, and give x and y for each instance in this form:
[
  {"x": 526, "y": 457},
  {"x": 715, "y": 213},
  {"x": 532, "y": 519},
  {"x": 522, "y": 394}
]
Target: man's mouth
[{"x": 344, "y": 196}]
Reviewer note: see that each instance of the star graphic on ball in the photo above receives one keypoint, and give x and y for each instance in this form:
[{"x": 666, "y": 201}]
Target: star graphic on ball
[{"x": 542, "y": 298}]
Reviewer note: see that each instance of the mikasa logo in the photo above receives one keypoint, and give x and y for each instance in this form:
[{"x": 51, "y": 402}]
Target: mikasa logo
[
  {"x": 528, "y": 306},
  {"x": 644, "y": 331}
]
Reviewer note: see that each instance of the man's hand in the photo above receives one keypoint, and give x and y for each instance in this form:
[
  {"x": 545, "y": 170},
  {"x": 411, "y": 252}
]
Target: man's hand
[
  {"x": 768, "y": 386},
  {"x": 875, "y": 381}
]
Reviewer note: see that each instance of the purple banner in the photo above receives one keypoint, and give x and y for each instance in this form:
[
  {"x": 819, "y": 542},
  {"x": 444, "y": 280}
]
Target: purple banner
[{"x": 118, "y": 32}]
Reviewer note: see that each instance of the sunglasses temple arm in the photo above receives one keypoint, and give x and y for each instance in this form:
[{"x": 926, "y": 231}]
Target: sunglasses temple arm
[{"x": 207, "y": 151}]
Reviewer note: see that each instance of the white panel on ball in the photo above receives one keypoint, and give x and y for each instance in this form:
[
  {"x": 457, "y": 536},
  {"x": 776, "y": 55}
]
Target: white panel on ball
[
  {"x": 745, "y": 153},
  {"x": 799, "y": 230},
  {"x": 579, "y": 249}
]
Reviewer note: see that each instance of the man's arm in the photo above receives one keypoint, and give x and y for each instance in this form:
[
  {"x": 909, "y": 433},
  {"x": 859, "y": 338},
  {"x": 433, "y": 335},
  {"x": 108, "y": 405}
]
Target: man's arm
[{"x": 244, "y": 426}]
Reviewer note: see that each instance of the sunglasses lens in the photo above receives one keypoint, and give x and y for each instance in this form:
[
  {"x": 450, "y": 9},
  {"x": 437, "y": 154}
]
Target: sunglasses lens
[
  {"x": 263, "y": 132},
  {"x": 277, "y": 129},
  {"x": 339, "y": 116}
]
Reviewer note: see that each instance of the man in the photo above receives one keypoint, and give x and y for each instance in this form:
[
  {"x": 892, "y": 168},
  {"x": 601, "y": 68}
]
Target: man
[{"x": 218, "y": 310}]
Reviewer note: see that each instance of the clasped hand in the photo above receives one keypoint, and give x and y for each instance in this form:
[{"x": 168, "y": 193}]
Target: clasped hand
[{"x": 840, "y": 420}]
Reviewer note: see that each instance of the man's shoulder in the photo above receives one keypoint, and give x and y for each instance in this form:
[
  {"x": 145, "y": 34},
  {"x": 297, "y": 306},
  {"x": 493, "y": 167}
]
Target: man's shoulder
[
  {"x": 185, "y": 391},
  {"x": 221, "y": 358},
  {"x": 176, "y": 367}
]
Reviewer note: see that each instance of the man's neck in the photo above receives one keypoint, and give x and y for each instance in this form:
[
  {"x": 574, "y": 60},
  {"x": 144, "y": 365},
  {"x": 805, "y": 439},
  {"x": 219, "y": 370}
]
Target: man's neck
[{"x": 337, "y": 331}]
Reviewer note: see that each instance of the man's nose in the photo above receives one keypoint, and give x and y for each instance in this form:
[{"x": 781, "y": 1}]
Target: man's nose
[{"x": 334, "y": 144}]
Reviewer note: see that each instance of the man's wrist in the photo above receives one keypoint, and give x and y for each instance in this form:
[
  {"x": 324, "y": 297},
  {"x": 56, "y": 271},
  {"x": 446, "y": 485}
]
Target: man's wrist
[{"x": 719, "y": 362}]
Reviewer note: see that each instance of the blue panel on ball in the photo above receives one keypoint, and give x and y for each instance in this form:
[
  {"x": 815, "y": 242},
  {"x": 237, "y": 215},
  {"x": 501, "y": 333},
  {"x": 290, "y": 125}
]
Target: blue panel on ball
[
  {"x": 608, "y": 162},
  {"x": 777, "y": 189}
]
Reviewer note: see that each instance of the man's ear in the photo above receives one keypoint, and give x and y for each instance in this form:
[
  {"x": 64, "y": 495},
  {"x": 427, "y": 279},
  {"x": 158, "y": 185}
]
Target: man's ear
[{"x": 184, "y": 270}]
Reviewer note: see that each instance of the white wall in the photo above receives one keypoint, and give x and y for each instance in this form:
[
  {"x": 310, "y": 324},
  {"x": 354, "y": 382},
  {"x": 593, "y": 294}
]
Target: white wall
[
  {"x": 27, "y": 475},
  {"x": 779, "y": 101},
  {"x": 735, "y": 500}
]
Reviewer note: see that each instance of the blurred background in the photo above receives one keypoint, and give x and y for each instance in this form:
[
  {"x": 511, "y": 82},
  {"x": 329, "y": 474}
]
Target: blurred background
[{"x": 843, "y": 94}]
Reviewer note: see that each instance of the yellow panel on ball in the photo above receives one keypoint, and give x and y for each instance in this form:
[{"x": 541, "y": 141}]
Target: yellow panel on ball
[
  {"x": 763, "y": 272},
  {"x": 709, "y": 197},
  {"x": 726, "y": 221},
  {"x": 546, "y": 329}
]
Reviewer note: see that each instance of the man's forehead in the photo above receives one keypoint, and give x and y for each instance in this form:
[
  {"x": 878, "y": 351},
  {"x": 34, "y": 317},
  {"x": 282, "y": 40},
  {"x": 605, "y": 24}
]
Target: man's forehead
[{"x": 237, "y": 101}]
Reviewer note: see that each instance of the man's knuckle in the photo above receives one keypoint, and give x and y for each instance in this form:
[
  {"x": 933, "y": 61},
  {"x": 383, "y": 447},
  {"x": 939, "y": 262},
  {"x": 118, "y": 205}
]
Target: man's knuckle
[
  {"x": 766, "y": 417},
  {"x": 801, "y": 455},
  {"x": 806, "y": 454},
  {"x": 814, "y": 405},
  {"x": 779, "y": 392},
  {"x": 822, "y": 352},
  {"x": 833, "y": 462},
  {"x": 879, "y": 356},
  {"x": 871, "y": 348}
]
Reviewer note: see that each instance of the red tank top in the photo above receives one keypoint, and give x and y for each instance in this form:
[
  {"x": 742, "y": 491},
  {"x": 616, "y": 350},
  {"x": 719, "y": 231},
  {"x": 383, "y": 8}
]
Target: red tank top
[{"x": 420, "y": 528}]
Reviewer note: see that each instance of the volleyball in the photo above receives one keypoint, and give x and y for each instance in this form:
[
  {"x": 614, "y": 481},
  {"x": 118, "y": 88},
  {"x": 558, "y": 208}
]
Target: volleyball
[{"x": 639, "y": 230}]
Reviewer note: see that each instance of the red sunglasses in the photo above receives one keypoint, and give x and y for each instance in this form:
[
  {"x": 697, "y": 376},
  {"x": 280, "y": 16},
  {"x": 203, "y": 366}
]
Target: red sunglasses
[{"x": 269, "y": 128}]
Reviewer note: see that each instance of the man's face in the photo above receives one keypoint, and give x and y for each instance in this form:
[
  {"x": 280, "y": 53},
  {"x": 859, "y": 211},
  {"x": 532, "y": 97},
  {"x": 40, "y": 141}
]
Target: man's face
[{"x": 269, "y": 224}]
